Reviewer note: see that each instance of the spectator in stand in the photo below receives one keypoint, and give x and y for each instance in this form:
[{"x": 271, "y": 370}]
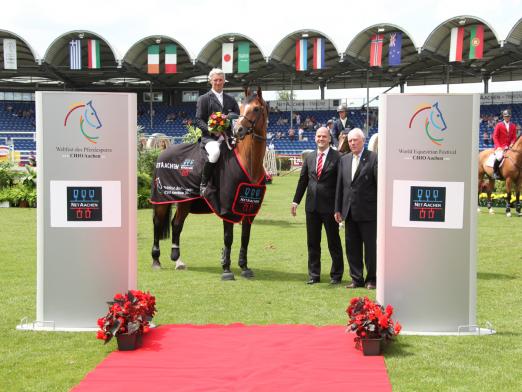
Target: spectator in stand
[
  {"x": 279, "y": 135},
  {"x": 486, "y": 139},
  {"x": 329, "y": 125},
  {"x": 341, "y": 124},
  {"x": 297, "y": 119},
  {"x": 291, "y": 134},
  {"x": 301, "y": 134},
  {"x": 504, "y": 136}
]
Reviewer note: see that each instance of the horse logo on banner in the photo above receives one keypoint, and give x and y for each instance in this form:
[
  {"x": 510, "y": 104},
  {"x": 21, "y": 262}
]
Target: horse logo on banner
[
  {"x": 89, "y": 117},
  {"x": 434, "y": 123}
]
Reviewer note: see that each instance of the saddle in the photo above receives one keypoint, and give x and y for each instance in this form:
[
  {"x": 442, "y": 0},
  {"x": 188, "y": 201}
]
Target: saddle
[{"x": 230, "y": 194}]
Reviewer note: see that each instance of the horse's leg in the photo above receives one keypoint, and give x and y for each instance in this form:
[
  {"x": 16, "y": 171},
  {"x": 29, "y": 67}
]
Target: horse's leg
[
  {"x": 508, "y": 197},
  {"x": 182, "y": 211},
  {"x": 517, "y": 205},
  {"x": 228, "y": 238},
  {"x": 161, "y": 220},
  {"x": 491, "y": 186},
  {"x": 246, "y": 272}
]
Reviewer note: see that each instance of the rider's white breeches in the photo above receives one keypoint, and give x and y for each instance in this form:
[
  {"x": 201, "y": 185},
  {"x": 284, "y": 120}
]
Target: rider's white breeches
[
  {"x": 213, "y": 151},
  {"x": 499, "y": 153}
]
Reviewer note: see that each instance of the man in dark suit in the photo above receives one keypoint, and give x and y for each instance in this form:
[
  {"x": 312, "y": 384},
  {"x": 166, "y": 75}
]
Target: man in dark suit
[
  {"x": 356, "y": 203},
  {"x": 213, "y": 101},
  {"x": 318, "y": 178},
  {"x": 342, "y": 124}
]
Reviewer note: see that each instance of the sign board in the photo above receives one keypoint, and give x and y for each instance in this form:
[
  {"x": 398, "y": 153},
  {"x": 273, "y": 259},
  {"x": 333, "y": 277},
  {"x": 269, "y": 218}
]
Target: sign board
[
  {"x": 427, "y": 195},
  {"x": 86, "y": 231}
]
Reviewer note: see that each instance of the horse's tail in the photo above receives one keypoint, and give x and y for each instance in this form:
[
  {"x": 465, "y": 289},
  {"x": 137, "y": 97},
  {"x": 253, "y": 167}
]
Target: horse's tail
[{"x": 162, "y": 214}]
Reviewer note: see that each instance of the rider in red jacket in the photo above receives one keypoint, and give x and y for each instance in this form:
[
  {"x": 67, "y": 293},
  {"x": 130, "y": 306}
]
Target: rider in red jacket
[{"x": 504, "y": 136}]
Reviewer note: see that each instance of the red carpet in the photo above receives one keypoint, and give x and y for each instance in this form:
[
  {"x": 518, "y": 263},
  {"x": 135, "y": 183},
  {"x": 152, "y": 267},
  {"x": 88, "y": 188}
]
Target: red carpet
[{"x": 240, "y": 358}]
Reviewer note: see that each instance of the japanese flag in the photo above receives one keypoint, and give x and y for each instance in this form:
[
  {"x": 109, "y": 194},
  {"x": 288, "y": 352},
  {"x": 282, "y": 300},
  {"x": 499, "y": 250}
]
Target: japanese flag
[{"x": 227, "y": 58}]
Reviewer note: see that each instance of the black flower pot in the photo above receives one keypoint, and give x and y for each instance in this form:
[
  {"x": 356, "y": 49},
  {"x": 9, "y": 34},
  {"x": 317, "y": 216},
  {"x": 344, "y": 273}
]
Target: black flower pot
[
  {"x": 127, "y": 342},
  {"x": 371, "y": 346}
]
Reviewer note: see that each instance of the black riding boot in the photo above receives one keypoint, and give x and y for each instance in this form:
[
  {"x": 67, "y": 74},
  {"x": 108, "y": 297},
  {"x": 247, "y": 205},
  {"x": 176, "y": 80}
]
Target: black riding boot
[
  {"x": 496, "y": 170},
  {"x": 208, "y": 170}
]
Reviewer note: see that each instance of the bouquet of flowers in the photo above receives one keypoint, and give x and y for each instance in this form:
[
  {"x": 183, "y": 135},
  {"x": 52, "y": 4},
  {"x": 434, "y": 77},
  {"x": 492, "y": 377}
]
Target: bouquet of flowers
[
  {"x": 218, "y": 122},
  {"x": 369, "y": 320},
  {"x": 128, "y": 313}
]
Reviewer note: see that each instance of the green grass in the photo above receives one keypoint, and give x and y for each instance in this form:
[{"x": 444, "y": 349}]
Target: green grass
[{"x": 38, "y": 361}]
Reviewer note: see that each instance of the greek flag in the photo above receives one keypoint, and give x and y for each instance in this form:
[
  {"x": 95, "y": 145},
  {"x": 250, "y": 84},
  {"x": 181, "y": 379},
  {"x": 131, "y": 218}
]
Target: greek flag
[{"x": 75, "y": 54}]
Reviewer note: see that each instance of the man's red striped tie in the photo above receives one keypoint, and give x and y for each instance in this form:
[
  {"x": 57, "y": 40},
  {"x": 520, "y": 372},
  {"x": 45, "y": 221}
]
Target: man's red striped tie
[{"x": 320, "y": 165}]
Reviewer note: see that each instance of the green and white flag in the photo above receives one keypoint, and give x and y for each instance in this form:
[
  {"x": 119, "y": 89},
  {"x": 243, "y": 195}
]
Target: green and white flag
[
  {"x": 243, "y": 57},
  {"x": 10, "y": 53}
]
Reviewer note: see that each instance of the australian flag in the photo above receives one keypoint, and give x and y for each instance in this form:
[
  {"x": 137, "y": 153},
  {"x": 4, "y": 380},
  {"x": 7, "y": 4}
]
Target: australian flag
[{"x": 394, "y": 49}]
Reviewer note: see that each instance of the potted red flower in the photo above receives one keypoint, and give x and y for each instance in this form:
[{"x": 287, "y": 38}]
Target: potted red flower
[
  {"x": 372, "y": 324},
  {"x": 128, "y": 319}
]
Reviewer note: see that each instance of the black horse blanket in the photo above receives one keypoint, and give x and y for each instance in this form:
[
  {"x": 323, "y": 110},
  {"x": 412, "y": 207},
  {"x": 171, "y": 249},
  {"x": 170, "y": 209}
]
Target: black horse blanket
[{"x": 231, "y": 193}]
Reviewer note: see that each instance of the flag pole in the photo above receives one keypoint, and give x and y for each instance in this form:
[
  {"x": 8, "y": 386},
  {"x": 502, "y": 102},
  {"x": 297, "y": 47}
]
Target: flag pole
[
  {"x": 367, "y": 102},
  {"x": 150, "y": 103}
]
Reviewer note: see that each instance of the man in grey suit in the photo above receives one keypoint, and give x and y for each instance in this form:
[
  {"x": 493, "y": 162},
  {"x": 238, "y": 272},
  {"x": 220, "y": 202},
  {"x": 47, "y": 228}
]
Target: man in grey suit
[
  {"x": 318, "y": 178},
  {"x": 356, "y": 203},
  {"x": 213, "y": 101}
]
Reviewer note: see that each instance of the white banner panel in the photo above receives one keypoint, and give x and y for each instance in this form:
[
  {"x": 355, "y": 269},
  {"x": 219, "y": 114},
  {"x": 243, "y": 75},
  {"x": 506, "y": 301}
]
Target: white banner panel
[
  {"x": 427, "y": 195},
  {"x": 86, "y": 231}
]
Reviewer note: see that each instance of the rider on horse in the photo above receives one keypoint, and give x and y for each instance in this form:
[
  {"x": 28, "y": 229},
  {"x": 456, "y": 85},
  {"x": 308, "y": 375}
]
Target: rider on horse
[
  {"x": 212, "y": 102},
  {"x": 504, "y": 136}
]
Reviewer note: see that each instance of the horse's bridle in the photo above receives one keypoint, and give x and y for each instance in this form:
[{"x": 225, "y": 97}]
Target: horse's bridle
[{"x": 251, "y": 130}]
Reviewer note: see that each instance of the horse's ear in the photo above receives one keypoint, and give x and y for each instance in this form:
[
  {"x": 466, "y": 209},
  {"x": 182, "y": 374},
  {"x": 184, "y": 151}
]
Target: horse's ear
[
  {"x": 247, "y": 91},
  {"x": 259, "y": 92}
]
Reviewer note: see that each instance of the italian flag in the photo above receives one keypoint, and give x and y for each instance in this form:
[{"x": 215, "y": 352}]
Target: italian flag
[
  {"x": 93, "y": 49},
  {"x": 476, "y": 42},
  {"x": 171, "y": 59},
  {"x": 456, "y": 44},
  {"x": 153, "y": 59}
]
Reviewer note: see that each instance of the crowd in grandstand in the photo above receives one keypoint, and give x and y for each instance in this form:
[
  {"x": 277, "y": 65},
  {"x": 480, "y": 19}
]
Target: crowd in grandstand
[{"x": 288, "y": 133}]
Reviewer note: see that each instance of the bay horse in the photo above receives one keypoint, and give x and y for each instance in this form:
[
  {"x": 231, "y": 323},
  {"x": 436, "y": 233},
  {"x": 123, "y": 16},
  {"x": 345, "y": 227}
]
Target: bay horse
[
  {"x": 511, "y": 171},
  {"x": 250, "y": 132}
]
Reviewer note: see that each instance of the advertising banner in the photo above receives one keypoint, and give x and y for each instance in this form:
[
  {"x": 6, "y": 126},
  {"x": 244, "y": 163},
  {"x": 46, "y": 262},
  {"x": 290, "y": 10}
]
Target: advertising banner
[
  {"x": 427, "y": 195},
  {"x": 86, "y": 219}
]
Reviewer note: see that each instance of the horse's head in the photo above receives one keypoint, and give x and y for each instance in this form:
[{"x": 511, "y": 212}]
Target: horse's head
[
  {"x": 253, "y": 119},
  {"x": 91, "y": 117},
  {"x": 436, "y": 118}
]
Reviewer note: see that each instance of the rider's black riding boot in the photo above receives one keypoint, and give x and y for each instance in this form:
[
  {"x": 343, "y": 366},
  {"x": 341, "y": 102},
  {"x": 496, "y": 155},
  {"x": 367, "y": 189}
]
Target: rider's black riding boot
[
  {"x": 496, "y": 170},
  {"x": 208, "y": 170}
]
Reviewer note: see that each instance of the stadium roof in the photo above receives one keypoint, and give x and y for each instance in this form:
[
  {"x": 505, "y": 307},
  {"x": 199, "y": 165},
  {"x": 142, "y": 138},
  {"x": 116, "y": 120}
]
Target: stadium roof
[{"x": 427, "y": 64}]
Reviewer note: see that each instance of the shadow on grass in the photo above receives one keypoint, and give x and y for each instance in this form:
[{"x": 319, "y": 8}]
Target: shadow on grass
[
  {"x": 397, "y": 349},
  {"x": 276, "y": 222},
  {"x": 259, "y": 274},
  {"x": 494, "y": 276}
]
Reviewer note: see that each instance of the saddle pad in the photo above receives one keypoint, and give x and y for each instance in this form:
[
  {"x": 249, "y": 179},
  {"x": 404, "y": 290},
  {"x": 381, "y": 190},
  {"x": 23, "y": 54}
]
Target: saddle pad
[
  {"x": 490, "y": 161},
  {"x": 178, "y": 174}
]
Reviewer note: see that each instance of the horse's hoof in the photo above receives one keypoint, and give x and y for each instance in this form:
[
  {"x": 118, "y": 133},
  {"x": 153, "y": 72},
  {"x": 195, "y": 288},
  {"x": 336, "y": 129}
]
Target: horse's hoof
[
  {"x": 491, "y": 211},
  {"x": 180, "y": 265},
  {"x": 156, "y": 265},
  {"x": 247, "y": 273},
  {"x": 227, "y": 276},
  {"x": 508, "y": 214}
]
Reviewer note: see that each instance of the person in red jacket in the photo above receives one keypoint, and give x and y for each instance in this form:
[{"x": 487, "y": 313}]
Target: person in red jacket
[{"x": 504, "y": 135}]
